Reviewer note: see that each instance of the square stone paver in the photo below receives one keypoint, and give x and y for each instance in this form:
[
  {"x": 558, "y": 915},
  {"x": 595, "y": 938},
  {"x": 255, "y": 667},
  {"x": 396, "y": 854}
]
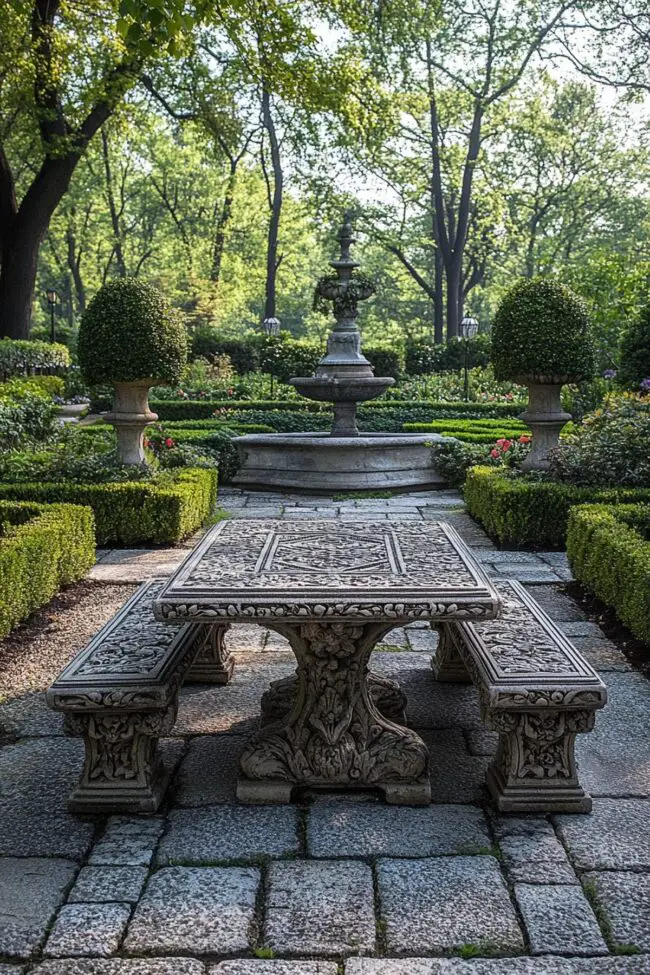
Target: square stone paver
[
  {"x": 87, "y": 929},
  {"x": 546, "y": 965},
  {"x": 624, "y": 899},
  {"x": 319, "y": 908},
  {"x": 353, "y": 829},
  {"x": 100, "y": 884},
  {"x": 208, "y": 773},
  {"x": 31, "y": 889},
  {"x": 200, "y": 910},
  {"x": 122, "y": 966},
  {"x": 436, "y": 905},
  {"x": 272, "y": 967},
  {"x": 614, "y": 837},
  {"x": 128, "y": 842},
  {"x": 559, "y": 920},
  {"x": 613, "y": 758},
  {"x": 234, "y": 707},
  {"x": 532, "y": 853},
  {"x": 215, "y": 834}
]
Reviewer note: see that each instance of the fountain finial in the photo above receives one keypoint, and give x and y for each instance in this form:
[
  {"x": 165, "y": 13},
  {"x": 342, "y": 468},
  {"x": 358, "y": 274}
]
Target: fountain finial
[{"x": 345, "y": 237}]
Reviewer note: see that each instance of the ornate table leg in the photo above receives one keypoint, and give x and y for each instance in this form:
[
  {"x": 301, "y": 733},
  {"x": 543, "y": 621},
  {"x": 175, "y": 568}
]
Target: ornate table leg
[
  {"x": 213, "y": 663},
  {"x": 333, "y": 734},
  {"x": 447, "y": 663},
  {"x": 534, "y": 769},
  {"x": 123, "y": 770},
  {"x": 388, "y": 696}
]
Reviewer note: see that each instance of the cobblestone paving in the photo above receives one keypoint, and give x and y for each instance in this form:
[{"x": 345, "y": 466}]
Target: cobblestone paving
[{"x": 339, "y": 884}]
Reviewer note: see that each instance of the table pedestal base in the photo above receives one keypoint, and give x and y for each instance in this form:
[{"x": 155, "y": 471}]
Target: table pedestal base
[
  {"x": 388, "y": 697},
  {"x": 213, "y": 663},
  {"x": 334, "y": 735}
]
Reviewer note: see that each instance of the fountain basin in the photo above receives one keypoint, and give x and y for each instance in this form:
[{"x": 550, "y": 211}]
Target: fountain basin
[
  {"x": 335, "y": 389},
  {"x": 319, "y": 463}
]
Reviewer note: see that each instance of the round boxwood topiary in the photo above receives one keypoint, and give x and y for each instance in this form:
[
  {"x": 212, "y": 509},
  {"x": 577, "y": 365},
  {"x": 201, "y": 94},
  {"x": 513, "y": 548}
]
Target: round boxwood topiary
[
  {"x": 635, "y": 352},
  {"x": 130, "y": 333},
  {"x": 541, "y": 335}
]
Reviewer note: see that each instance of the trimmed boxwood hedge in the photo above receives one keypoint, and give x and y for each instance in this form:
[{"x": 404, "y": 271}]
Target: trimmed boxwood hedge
[
  {"x": 42, "y": 547},
  {"x": 427, "y": 409},
  {"x": 609, "y": 552},
  {"x": 131, "y": 512},
  {"x": 518, "y": 512},
  {"x": 471, "y": 431}
]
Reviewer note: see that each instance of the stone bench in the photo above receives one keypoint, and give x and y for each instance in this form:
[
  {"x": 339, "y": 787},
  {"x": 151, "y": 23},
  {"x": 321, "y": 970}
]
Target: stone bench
[
  {"x": 121, "y": 695},
  {"x": 536, "y": 691}
]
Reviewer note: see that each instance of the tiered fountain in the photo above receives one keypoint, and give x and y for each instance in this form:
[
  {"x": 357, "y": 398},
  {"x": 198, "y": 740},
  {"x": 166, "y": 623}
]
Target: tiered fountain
[{"x": 344, "y": 459}]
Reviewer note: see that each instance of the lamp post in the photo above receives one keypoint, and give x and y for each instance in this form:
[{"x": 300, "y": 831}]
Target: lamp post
[
  {"x": 468, "y": 330},
  {"x": 52, "y": 298}
]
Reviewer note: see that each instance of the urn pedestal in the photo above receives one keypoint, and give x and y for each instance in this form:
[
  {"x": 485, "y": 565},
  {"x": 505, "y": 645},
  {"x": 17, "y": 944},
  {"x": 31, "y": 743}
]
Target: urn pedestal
[
  {"x": 546, "y": 418},
  {"x": 130, "y": 416}
]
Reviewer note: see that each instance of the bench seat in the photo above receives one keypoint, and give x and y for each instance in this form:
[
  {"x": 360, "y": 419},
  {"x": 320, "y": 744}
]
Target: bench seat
[
  {"x": 120, "y": 694},
  {"x": 536, "y": 690}
]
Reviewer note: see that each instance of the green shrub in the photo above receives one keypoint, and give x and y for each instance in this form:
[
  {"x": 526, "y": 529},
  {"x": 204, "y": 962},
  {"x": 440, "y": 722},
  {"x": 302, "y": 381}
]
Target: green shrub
[
  {"x": 387, "y": 360},
  {"x": 244, "y": 353},
  {"x": 423, "y": 410},
  {"x": 611, "y": 446},
  {"x": 541, "y": 333},
  {"x": 42, "y": 547},
  {"x": 635, "y": 352},
  {"x": 609, "y": 551},
  {"x": 27, "y": 414},
  {"x": 19, "y": 357},
  {"x": 521, "y": 511},
  {"x": 423, "y": 358},
  {"x": 163, "y": 511},
  {"x": 130, "y": 332}
]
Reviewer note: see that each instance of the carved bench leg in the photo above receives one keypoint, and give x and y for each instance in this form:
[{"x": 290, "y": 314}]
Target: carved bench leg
[
  {"x": 123, "y": 770},
  {"x": 447, "y": 663},
  {"x": 213, "y": 663},
  {"x": 534, "y": 769}
]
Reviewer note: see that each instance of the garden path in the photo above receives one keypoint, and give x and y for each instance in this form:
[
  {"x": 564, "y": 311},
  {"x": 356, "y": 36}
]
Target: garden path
[{"x": 341, "y": 883}]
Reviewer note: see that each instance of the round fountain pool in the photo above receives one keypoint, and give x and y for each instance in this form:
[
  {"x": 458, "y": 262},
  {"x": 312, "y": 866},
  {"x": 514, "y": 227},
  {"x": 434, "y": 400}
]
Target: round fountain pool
[{"x": 318, "y": 462}]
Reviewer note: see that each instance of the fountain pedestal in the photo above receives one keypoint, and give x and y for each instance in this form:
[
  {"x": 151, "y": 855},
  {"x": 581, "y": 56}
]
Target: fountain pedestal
[{"x": 344, "y": 459}]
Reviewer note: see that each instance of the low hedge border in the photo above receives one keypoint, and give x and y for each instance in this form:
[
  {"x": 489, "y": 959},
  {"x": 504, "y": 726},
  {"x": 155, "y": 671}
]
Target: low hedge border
[
  {"x": 132, "y": 512},
  {"x": 42, "y": 547},
  {"x": 204, "y": 409},
  {"x": 471, "y": 431},
  {"x": 523, "y": 513},
  {"x": 609, "y": 552}
]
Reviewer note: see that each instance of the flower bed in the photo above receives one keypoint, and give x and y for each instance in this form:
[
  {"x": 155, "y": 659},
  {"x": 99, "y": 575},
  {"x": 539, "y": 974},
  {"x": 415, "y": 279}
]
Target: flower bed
[
  {"x": 163, "y": 510},
  {"x": 521, "y": 511},
  {"x": 609, "y": 551},
  {"x": 42, "y": 547}
]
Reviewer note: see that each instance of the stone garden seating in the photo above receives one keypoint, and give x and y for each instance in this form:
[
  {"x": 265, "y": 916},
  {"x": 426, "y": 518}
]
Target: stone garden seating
[
  {"x": 535, "y": 690},
  {"x": 121, "y": 695}
]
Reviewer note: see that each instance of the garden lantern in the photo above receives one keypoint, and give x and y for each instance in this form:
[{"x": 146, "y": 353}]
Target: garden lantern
[
  {"x": 468, "y": 330},
  {"x": 271, "y": 326},
  {"x": 52, "y": 299}
]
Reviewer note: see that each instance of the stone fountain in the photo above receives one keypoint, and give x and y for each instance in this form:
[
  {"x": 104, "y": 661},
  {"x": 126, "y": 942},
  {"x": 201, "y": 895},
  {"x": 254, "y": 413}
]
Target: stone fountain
[{"x": 344, "y": 459}]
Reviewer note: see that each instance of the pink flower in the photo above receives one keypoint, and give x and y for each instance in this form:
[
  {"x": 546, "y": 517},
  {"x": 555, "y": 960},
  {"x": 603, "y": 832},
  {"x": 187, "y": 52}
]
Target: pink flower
[
  {"x": 169, "y": 442},
  {"x": 494, "y": 453}
]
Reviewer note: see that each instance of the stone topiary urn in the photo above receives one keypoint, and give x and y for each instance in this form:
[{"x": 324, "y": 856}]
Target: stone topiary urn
[
  {"x": 133, "y": 339},
  {"x": 541, "y": 339}
]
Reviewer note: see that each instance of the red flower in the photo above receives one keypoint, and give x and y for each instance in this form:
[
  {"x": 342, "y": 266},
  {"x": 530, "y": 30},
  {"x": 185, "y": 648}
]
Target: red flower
[
  {"x": 231, "y": 392},
  {"x": 525, "y": 438},
  {"x": 169, "y": 442},
  {"x": 494, "y": 453},
  {"x": 146, "y": 443}
]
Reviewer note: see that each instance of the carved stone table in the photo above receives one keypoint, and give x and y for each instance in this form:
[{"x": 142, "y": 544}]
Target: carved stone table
[{"x": 334, "y": 590}]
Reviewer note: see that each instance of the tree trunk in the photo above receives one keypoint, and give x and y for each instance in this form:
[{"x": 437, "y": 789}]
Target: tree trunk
[
  {"x": 222, "y": 224},
  {"x": 17, "y": 283},
  {"x": 118, "y": 251},
  {"x": 439, "y": 299},
  {"x": 272, "y": 261},
  {"x": 75, "y": 270},
  {"x": 454, "y": 281}
]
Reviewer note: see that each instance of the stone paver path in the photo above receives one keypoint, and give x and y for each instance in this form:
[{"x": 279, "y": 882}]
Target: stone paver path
[{"x": 339, "y": 884}]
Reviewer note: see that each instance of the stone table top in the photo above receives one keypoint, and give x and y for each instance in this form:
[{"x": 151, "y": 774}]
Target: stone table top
[{"x": 277, "y": 569}]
